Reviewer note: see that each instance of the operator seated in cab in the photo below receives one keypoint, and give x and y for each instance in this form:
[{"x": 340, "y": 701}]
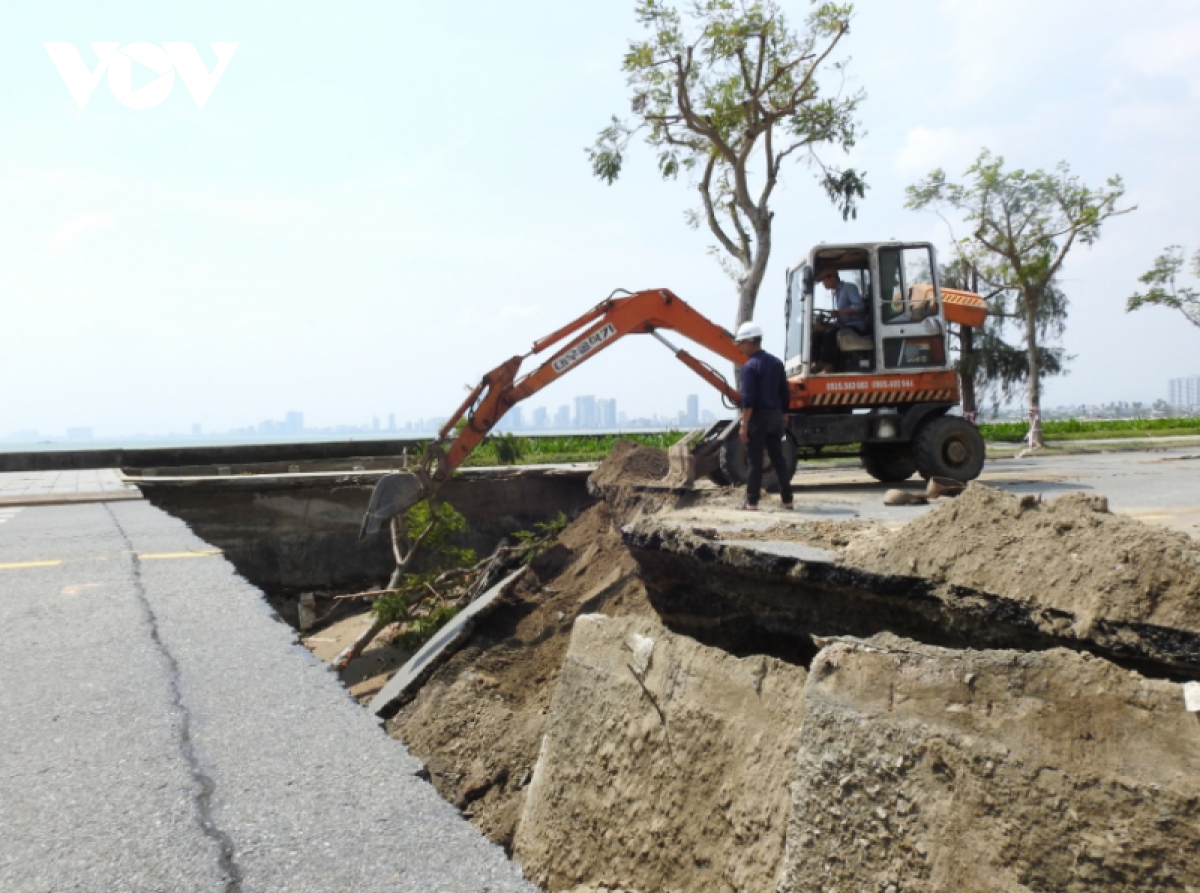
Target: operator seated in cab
[{"x": 849, "y": 315}]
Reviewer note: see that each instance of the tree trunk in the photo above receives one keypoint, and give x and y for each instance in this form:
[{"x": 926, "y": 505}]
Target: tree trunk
[
  {"x": 966, "y": 340},
  {"x": 748, "y": 288},
  {"x": 1035, "y": 372}
]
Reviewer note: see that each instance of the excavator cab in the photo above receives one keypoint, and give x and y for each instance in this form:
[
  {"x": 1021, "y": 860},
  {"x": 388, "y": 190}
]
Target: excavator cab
[{"x": 904, "y": 329}]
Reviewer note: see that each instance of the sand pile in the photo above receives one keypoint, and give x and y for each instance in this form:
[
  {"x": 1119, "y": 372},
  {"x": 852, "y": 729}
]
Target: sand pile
[
  {"x": 1070, "y": 554},
  {"x": 478, "y": 722},
  {"x": 629, "y": 463}
]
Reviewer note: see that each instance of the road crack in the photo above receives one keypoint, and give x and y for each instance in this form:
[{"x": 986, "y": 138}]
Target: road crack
[{"x": 205, "y": 786}]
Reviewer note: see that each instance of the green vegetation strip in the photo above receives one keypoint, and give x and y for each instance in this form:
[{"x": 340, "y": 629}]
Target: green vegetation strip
[
  {"x": 511, "y": 449},
  {"x": 1092, "y": 429},
  {"x": 508, "y": 449}
]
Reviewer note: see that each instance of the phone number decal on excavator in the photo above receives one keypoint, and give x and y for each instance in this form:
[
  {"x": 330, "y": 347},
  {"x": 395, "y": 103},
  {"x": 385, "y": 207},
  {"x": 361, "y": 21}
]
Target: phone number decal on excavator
[
  {"x": 875, "y": 384},
  {"x": 577, "y": 352}
]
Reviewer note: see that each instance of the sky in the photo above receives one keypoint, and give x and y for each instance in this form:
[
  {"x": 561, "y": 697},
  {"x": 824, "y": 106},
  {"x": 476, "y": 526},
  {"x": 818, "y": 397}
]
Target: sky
[{"x": 378, "y": 202}]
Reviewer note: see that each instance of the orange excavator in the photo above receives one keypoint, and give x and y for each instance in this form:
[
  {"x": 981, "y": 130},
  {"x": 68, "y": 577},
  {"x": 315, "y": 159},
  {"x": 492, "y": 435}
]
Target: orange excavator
[{"x": 888, "y": 394}]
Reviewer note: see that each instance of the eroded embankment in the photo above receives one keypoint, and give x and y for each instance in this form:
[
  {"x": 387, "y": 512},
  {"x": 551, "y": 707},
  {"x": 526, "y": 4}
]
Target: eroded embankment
[{"x": 653, "y": 708}]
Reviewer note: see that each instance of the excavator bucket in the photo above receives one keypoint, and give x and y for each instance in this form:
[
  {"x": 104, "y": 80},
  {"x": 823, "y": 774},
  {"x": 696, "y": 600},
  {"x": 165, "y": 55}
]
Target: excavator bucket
[
  {"x": 681, "y": 466},
  {"x": 696, "y": 454},
  {"x": 394, "y": 494}
]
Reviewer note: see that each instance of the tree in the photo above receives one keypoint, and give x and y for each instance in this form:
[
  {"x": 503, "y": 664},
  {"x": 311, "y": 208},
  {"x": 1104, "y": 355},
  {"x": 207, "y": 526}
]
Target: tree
[
  {"x": 990, "y": 369},
  {"x": 728, "y": 93},
  {"x": 1023, "y": 225},
  {"x": 1163, "y": 290}
]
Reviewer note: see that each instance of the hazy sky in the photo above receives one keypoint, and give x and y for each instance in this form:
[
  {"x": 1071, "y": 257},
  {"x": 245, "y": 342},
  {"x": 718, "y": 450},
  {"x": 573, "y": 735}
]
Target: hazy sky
[{"x": 381, "y": 201}]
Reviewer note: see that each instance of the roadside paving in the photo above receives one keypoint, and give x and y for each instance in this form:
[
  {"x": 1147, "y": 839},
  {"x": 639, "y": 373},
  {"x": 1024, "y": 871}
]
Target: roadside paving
[
  {"x": 64, "y": 487},
  {"x": 163, "y": 731}
]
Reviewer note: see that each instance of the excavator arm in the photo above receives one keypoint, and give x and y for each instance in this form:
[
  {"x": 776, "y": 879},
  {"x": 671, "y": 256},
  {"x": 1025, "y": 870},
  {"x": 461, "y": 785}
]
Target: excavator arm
[{"x": 643, "y": 312}]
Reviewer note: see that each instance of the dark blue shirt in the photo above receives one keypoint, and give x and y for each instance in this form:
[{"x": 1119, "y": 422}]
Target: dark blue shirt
[{"x": 764, "y": 383}]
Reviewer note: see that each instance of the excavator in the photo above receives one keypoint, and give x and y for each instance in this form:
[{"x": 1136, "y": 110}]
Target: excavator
[{"x": 886, "y": 398}]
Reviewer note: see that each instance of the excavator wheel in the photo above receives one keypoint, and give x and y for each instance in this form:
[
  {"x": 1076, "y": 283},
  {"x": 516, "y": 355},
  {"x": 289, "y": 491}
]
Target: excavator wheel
[
  {"x": 734, "y": 469},
  {"x": 889, "y": 462},
  {"x": 949, "y": 447},
  {"x": 718, "y": 477}
]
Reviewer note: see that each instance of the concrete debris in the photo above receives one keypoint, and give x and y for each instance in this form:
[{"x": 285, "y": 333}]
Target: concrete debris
[
  {"x": 688, "y": 792},
  {"x": 1191, "y": 697},
  {"x": 986, "y": 699},
  {"x": 1046, "y": 771}
]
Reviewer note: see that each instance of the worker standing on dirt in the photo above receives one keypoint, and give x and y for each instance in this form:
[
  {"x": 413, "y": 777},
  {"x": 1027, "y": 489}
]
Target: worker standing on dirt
[{"x": 764, "y": 398}]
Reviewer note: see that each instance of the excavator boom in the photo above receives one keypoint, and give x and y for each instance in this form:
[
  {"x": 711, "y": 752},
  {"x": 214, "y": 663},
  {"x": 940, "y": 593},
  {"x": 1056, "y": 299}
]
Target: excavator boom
[{"x": 643, "y": 312}]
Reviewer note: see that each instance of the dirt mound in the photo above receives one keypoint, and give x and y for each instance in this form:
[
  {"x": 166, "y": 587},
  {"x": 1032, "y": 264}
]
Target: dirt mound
[
  {"x": 478, "y": 722},
  {"x": 1070, "y": 554},
  {"x": 630, "y": 463}
]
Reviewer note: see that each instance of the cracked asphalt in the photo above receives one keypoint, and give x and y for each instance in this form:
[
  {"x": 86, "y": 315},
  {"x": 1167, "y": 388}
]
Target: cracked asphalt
[{"x": 162, "y": 731}]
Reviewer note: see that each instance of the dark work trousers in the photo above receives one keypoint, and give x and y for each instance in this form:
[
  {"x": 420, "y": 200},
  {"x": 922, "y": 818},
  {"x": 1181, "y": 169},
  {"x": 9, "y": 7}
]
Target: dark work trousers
[{"x": 766, "y": 432}]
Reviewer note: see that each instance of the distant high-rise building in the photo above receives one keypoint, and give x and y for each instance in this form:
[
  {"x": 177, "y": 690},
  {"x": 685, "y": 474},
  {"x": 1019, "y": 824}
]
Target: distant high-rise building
[
  {"x": 196, "y": 430},
  {"x": 374, "y": 423},
  {"x": 541, "y": 418},
  {"x": 513, "y": 420},
  {"x": 293, "y": 422},
  {"x": 391, "y": 421},
  {"x": 585, "y": 412},
  {"x": 691, "y": 418},
  {"x": 1185, "y": 391},
  {"x": 562, "y": 418},
  {"x": 606, "y": 410}
]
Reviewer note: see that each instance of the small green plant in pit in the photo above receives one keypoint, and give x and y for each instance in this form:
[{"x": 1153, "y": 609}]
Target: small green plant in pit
[
  {"x": 509, "y": 448},
  {"x": 421, "y": 602},
  {"x": 531, "y": 543}
]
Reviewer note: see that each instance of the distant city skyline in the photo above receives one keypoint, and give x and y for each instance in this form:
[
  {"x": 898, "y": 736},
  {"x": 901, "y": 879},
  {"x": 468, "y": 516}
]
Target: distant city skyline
[{"x": 591, "y": 413}]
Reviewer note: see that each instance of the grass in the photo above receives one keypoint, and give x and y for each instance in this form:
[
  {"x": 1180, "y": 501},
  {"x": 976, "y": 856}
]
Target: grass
[
  {"x": 1091, "y": 429},
  {"x": 594, "y": 447},
  {"x": 562, "y": 448}
]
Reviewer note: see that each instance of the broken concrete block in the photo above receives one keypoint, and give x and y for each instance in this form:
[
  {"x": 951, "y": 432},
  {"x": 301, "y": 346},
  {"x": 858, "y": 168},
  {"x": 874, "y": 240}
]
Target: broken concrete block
[
  {"x": 674, "y": 780},
  {"x": 1191, "y": 697},
  {"x": 929, "y": 769}
]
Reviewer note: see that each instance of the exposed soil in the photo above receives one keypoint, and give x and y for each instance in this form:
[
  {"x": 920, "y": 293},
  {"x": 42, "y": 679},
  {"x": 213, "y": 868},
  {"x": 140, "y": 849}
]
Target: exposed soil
[
  {"x": 1070, "y": 554},
  {"x": 630, "y": 463},
  {"x": 478, "y": 722}
]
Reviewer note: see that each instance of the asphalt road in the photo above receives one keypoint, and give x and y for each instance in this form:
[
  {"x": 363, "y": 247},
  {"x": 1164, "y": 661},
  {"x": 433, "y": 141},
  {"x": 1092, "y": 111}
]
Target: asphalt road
[{"x": 162, "y": 731}]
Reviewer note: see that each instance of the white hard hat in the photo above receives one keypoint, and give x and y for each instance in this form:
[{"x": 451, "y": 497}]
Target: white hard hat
[{"x": 749, "y": 331}]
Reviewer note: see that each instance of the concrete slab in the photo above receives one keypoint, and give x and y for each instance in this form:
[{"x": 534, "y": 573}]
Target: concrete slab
[
  {"x": 64, "y": 487},
  {"x": 410, "y": 676}
]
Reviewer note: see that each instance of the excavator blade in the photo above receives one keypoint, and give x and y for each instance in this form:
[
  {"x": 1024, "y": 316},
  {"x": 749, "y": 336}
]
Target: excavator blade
[
  {"x": 681, "y": 464},
  {"x": 394, "y": 494},
  {"x": 696, "y": 455}
]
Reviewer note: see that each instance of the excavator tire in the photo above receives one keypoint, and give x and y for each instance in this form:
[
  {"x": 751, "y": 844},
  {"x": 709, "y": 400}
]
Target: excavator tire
[
  {"x": 734, "y": 469},
  {"x": 889, "y": 462},
  {"x": 718, "y": 477},
  {"x": 949, "y": 447}
]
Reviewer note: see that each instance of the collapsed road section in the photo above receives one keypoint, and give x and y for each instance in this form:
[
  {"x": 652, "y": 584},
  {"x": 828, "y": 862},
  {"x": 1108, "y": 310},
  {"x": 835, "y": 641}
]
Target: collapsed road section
[{"x": 663, "y": 701}]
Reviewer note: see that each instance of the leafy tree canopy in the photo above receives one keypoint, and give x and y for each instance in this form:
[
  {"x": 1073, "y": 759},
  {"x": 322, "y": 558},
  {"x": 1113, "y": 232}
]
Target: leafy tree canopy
[
  {"x": 727, "y": 92},
  {"x": 1164, "y": 291},
  {"x": 1022, "y": 226}
]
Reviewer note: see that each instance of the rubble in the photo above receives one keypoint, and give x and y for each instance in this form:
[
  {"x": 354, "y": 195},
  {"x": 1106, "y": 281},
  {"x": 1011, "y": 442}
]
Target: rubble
[
  {"x": 657, "y": 707},
  {"x": 669, "y": 779},
  {"x": 926, "y": 769}
]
